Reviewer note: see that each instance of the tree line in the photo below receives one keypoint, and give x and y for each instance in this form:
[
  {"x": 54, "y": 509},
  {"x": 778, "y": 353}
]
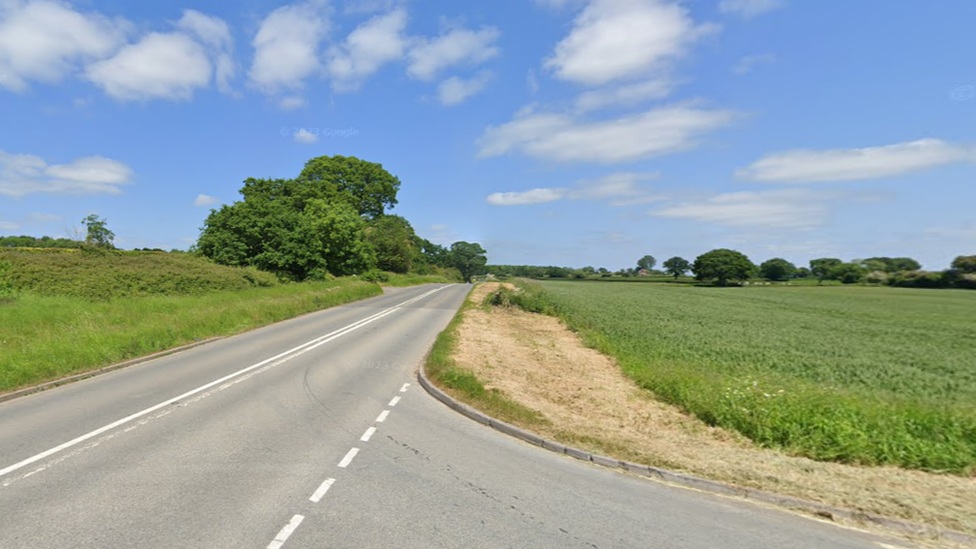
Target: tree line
[{"x": 724, "y": 267}]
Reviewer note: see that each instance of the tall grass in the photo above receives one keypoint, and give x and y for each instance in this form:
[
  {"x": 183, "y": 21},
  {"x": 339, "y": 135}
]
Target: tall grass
[
  {"x": 856, "y": 375},
  {"x": 48, "y": 337}
]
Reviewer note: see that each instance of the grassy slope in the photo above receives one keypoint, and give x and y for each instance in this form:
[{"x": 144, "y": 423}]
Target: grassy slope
[
  {"x": 863, "y": 375},
  {"x": 77, "y": 311}
]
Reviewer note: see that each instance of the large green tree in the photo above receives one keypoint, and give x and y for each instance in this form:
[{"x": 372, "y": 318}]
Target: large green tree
[
  {"x": 777, "y": 269},
  {"x": 965, "y": 263},
  {"x": 316, "y": 223},
  {"x": 822, "y": 267},
  {"x": 677, "y": 266},
  {"x": 98, "y": 234},
  {"x": 647, "y": 262},
  {"x": 847, "y": 273},
  {"x": 392, "y": 237},
  {"x": 723, "y": 266},
  {"x": 469, "y": 258}
]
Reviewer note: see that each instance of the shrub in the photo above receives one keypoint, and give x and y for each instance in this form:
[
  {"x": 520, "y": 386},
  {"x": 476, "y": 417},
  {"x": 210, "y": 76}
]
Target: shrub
[
  {"x": 919, "y": 279},
  {"x": 6, "y": 286},
  {"x": 375, "y": 275}
]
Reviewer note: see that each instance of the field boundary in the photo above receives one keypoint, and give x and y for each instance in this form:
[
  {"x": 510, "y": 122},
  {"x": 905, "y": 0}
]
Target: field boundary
[
  {"x": 688, "y": 481},
  {"x": 103, "y": 370}
]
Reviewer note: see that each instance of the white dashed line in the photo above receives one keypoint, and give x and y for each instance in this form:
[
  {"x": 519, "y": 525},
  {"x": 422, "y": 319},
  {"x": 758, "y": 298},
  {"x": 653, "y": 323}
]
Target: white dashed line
[
  {"x": 394, "y": 401},
  {"x": 369, "y": 432},
  {"x": 404, "y": 388},
  {"x": 348, "y": 459},
  {"x": 382, "y": 417},
  {"x": 322, "y": 490},
  {"x": 286, "y": 532}
]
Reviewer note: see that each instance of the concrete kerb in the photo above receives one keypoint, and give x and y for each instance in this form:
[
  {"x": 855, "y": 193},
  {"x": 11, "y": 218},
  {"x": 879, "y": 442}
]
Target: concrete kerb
[
  {"x": 84, "y": 375},
  {"x": 704, "y": 485}
]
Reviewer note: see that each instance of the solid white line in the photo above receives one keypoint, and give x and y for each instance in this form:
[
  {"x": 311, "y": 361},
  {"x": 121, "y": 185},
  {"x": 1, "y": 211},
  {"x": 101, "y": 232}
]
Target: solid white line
[
  {"x": 394, "y": 401},
  {"x": 276, "y": 360},
  {"x": 369, "y": 432},
  {"x": 348, "y": 459},
  {"x": 382, "y": 417},
  {"x": 322, "y": 490},
  {"x": 404, "y": 388},
  {"x": 286, "y": 532}
]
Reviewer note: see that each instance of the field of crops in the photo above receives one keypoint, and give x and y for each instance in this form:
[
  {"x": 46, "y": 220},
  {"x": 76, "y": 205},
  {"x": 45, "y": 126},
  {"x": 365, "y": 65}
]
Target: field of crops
[{"x": 852, "y": 374}]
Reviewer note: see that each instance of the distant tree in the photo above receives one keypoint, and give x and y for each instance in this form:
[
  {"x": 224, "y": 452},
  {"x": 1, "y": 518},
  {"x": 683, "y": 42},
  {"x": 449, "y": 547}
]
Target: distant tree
[
  {"x": 777, "y": 269},
  {"x": 802, "y": 272},
  {"x": 98, "y": 234},
  {"x": 677, "y": 266},
  {"x": 588, "y": 270},
  {"x": 723, "y": 266},
  {"x": 965, "y": 264},
  {"x": 647, "y": 262},
  {"x": 469, "y": 258},
  {"x": 822, "y": 267},
  {"x": 847, "y": 273},
  {"x": 603, "y": 271},
  {"x": 889, "y": 264}
]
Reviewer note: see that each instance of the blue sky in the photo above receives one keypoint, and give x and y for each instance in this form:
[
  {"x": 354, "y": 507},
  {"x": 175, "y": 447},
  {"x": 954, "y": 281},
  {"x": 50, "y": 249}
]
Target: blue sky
[{"x": 567, "y": 132}]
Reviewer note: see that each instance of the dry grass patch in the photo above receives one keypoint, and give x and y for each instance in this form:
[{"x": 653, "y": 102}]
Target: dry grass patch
[{"x": 537, "y": 362}]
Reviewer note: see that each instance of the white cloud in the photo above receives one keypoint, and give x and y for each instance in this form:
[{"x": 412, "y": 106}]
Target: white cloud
[
  {"x": 215, "y": 34},
  {"x": 204, "y": 200},
  {"x": 9, "y": 225},
  {"x": 160, "y": 66},
  {"x": 457, "y": 47},
  {"x": 286, "y": 46},
  {"x": 535, "y": 196},
  {"x": 786, "y": 209},
  {"x": 621, "y": 188},
  {"x": 749, "y": 8},
  {"x": 564, "y": 138},
  {"x": 624, "y": 96},
  {"x": 624, "y": 39},
  {"x": 292, "y": 102},
  {"x": 306, "y": 137},
  {"x": 23, "y": 174},
  {"x": 455, "y": 91},
  {"x": 532, "y": 82},
  {"x": 44, "y": 40},
  {"x": 805, "y": 166},
  {"x": 746, "y": 64},
  {"x": 372, "y": 45}
]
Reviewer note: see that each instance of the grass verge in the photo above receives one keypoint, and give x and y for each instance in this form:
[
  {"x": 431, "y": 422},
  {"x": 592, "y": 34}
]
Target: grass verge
[
  {"x": 464, "y": 385},
  {"x": 43, "y": 338}
]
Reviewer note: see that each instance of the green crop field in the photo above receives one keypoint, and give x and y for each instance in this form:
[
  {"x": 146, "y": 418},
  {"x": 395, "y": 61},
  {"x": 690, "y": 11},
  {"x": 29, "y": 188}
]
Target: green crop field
[{"x": 851, "y": 374}]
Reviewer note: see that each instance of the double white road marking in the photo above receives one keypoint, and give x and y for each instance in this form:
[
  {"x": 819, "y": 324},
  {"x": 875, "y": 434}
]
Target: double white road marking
[{"x": 270, "y": 363}]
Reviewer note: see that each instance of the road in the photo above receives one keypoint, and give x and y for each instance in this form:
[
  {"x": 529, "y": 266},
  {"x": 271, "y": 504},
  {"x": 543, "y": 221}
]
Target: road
[{"x": 314, "y": 433}]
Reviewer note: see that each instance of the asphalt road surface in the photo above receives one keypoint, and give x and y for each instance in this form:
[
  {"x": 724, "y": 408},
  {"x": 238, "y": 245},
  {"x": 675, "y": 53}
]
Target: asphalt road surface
[{"x": 313, "y": 433}]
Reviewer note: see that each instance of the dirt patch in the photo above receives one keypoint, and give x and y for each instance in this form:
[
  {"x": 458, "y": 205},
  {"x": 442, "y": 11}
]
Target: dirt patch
[{"x": 538, "y": 362}]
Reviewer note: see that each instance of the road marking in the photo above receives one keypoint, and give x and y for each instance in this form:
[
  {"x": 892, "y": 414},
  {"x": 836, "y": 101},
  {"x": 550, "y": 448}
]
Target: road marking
[
  {"x": 394, "y": 401},
  {"x": 271, "y": 362},
  {"x": 404, "y": 388},
  {"x": 382, "y": 417},
  {"x": 369, "y": 432},
  {"x": 348, "y": 459},
  {"x": 286, "y": 532},
  {"x": 322, "y": 490}
]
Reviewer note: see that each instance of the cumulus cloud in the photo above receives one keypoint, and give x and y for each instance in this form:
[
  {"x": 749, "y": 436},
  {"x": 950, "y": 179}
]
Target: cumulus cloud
[
  {"x": 624, "y": 96},
  {"x": 204, "y": 200},
  {"x": 306, "y": 137},
  {"x": 622, "y": 189},
  {"x": 615, "y": 40},
  {"x": 44, "y": 40},
  {"x": 565, "y": 138},
  {"x": 9, "y": 225},
  {"x": 373, "y": 44},
  {"x": 808, "y": 166},
  {"x": 455, "y": 90},
  {"x": 215, "y": 34},
  {"x": 534, "y": 196},
  {"x": 748, "y": 9},
  {"x": 24, "y": 174},
  {"x": 458, "y": 47},
  {"x": 787, "y": 209},
  {"x": 160, "y": 66},
  {"x": 287, "y": 46}
]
